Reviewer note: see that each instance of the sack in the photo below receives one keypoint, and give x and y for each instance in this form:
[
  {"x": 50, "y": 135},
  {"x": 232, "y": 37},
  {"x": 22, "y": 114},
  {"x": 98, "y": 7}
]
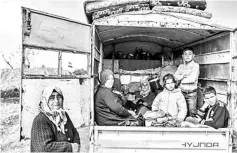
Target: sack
[{"x": 154, "y": 114}]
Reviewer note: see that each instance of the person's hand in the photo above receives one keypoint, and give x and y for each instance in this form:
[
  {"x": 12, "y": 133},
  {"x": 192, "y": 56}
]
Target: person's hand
[
  {"x": 136, "y": 100},
  {"x": 145, "y": 103},
  {"x": 75, "y": 147},
  {"x": 132, "y": 113},
  {"x": 204, "y": 106},
  {"x": 198, "y": 118}
]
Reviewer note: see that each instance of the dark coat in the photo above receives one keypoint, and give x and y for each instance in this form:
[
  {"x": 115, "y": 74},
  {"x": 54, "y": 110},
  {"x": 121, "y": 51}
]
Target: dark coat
[
  {"x": 149, "y": 98},
  {"x": 108, "y": 109},
  {"x": 46, "y": 138},
  {"x": 218, "y": 116}
]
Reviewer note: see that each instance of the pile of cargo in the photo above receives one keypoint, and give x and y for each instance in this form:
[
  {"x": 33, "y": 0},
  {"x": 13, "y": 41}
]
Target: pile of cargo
[{"x": 96, "y": 9}]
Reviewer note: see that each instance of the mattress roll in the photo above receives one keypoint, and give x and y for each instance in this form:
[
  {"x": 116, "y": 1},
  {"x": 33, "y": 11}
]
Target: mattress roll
[
  {"x": 119, "y": 9},
  {"x": 195, "y": 4},
  {"x": 184, "y": 10},
  {"x": 101, "y": 5}
]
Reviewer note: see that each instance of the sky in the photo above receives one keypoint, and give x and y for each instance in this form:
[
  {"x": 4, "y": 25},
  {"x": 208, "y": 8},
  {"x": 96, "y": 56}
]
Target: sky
[{"x": 223, "y": 12}]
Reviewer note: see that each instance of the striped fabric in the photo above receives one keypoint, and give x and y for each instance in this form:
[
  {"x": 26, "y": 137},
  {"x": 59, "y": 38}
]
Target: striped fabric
[
  {"x": 196, "y": 4},
  {"x": 115, "y": 10},
  {"x": 184, "y": 10}
]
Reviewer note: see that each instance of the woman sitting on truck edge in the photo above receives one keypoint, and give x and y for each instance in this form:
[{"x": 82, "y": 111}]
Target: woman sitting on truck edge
[
  {"x": 213, "y": 112},
  {"x": 52, "y": 129},
  {"x": 171, "y": 101},
  {"x": 108, "y": 109}
]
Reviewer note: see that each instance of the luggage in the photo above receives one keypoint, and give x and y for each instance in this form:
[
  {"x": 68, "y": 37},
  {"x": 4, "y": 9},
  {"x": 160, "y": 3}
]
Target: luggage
[
  {"x": 155, "y": 85},
  {"x": 195, "y": 4},
  {"x": 184, "y": 10},
  {"x": 94, "y": 6},
  {"x": 119, "y": 9}
]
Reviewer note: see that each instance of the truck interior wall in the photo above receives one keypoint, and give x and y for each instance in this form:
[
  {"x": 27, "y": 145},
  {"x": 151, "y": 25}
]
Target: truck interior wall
[
  {"x": 130, "y": 47},
  {"x": 213, "y": 57}
]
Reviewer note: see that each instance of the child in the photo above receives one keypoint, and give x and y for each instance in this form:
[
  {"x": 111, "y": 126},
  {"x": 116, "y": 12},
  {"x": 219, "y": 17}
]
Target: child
[
  {"x": 171, "y": 101},
  {"x": 187, "y": 74},
  {"x": 213, "y": 112}
]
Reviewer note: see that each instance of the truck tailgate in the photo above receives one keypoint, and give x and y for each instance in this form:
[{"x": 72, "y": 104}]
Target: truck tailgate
[{"x": 153, "y": 139}]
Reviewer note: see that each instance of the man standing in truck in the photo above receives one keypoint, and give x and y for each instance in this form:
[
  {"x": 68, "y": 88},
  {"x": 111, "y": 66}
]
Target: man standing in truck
[{"x": 187, "y": 74}]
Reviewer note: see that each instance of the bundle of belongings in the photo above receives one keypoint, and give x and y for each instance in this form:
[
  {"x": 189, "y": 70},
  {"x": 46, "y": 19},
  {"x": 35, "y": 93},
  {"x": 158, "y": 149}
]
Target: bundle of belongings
[
  {"x": 98, "y": 9},
  {"x": 138, "y": 121},
  {"x": 160, "y": 119}
]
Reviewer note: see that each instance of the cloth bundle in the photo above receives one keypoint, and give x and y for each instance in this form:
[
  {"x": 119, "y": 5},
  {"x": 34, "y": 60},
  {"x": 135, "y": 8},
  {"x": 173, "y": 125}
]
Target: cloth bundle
[
  {"x": 195, "y": 4},
  {"x": 151, "y": 115},
  {"x": 139, "y": 121},
  {"x": 184, "y": 10},
  {"x": 115, "y": 10}
]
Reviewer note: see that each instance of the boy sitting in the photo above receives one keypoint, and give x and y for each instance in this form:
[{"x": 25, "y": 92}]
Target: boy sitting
[{"x": 213, "y": 112}]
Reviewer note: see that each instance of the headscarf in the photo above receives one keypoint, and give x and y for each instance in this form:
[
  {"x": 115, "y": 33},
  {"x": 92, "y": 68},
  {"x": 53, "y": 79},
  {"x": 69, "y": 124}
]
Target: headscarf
[
  {"x": 104, "y": 75},
  {"x": 145, "y": 93},
  {"x": 58, "y": 117}
]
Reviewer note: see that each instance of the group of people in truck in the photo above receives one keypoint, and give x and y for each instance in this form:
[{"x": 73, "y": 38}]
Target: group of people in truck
[
  {"x": 53, "y": 130},
  {"x": 177, "y": 102}
]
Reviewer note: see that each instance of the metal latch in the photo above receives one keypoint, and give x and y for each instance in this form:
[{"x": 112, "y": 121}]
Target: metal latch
[{"x": 27, "y": 22}]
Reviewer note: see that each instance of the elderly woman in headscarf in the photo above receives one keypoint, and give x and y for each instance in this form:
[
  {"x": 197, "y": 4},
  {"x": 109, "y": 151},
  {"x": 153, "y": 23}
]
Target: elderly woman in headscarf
[
  {"x": 108, "y": 108},
  {"x": 52, "y": 129},
  {"x": 145, "y": 96}
]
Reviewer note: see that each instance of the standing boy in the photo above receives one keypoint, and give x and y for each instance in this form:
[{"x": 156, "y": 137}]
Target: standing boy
[{"x": 187, "y": 73}]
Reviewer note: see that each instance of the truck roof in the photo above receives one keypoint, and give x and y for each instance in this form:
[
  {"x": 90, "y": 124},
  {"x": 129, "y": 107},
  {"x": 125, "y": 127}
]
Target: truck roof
[{"x": 171, "y": 30}]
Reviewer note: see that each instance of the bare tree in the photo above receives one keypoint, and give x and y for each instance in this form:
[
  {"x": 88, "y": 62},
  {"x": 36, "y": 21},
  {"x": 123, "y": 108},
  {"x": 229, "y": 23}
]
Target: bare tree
[{"x": 8, "y": 63}]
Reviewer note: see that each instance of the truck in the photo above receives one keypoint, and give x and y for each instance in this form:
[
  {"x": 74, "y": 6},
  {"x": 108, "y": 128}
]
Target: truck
[{"x": 64, "y": 52}]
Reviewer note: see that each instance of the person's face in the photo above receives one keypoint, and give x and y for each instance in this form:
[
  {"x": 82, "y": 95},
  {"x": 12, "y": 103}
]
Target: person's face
[
  {"x": 55, "y": 101},
  {"x": 167, "y": 63},
  {"x": 169, "y": 84},
  {"x": 144, "y": 86},
  {"x": 110, "y": 82},
  {"x": 188, "y": 56},
  {"x": 210, "y": 98}
]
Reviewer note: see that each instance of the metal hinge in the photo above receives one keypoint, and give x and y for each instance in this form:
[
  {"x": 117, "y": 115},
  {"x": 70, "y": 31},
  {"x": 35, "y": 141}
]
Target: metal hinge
[
  {"x": 233, "y": 68},
  {"x": 27, "y": 27}
]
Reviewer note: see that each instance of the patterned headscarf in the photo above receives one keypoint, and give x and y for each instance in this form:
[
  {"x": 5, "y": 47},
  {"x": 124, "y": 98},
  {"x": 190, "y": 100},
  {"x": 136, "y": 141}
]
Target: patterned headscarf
[
  {"x": 145, "y": 93},
  {"x": 58, "y": 117}
]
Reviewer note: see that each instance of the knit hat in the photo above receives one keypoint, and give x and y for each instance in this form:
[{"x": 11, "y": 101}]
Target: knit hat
[{"x": 104, "y": 76}]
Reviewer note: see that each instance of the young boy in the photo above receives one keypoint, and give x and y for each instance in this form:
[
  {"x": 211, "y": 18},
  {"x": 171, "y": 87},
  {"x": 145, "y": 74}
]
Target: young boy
[
  {"x": 187, "y": 74},
  {"x": 171, "y": 101},
  {"x": 213, "y": 112}
]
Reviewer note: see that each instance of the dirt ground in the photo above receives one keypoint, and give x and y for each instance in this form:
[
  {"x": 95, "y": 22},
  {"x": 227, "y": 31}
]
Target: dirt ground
[{"x": 10, "y": 129}]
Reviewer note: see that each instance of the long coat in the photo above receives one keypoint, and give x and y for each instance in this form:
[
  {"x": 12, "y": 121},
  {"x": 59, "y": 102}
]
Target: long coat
[
  {"x": 46, "y": 138},
  {"x": 171, "y": 102},
  {"x": 108, "y": 109}
]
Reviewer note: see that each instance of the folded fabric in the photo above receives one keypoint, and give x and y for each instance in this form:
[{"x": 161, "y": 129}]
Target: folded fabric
[
  {"x": 154, "y": 114},
  {"x": 192, "y": 120},
  {"x": 196, "y": 4},
  {"x": 189, "y": 124},
  {"x": 115, "y": 10},
  {"x": 184, "y": 10},
  {"x": 100, "y": 5}
]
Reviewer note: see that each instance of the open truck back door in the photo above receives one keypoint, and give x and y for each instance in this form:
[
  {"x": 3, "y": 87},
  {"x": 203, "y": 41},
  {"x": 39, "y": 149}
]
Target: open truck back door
[{"x": 56, "y": 51}]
